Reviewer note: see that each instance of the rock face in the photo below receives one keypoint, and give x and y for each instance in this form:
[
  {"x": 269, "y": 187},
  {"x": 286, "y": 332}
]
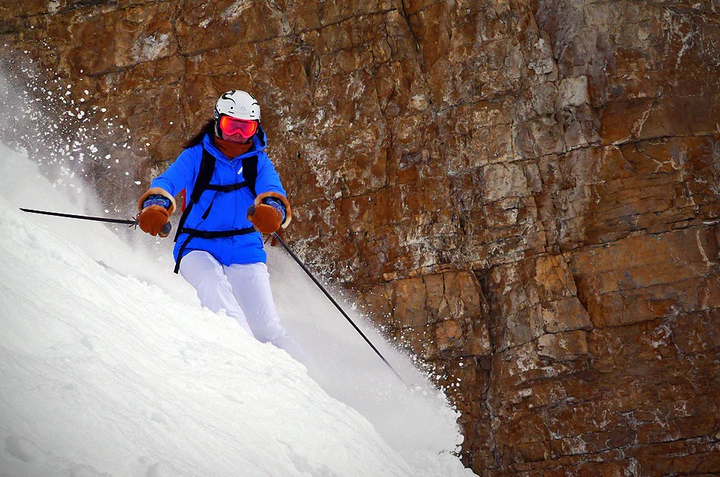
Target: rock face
[{"x": 525, "y": 193}]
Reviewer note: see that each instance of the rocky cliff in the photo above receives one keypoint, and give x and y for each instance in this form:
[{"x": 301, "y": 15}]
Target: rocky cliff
[{"x": 525, "y": 193}]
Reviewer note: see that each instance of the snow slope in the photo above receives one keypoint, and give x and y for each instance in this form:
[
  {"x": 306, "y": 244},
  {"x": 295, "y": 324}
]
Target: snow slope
[{"x": 109, "y": 366}]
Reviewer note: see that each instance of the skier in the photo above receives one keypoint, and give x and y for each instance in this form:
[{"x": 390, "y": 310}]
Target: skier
[{"x": 235, "y": 195}]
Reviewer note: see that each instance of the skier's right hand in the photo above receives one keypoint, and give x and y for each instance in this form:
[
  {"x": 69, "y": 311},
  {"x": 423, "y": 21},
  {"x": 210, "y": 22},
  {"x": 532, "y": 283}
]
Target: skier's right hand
[
  {"x": 155, "y": 207},
  {"x": 152, "y": 220}
]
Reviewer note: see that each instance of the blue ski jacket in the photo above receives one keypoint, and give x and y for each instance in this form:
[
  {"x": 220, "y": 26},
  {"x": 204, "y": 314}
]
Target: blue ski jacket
[{"x": 227, "y": 210}]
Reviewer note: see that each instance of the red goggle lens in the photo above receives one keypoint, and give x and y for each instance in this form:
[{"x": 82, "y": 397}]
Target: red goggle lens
[{"x": 231, "y": 126}]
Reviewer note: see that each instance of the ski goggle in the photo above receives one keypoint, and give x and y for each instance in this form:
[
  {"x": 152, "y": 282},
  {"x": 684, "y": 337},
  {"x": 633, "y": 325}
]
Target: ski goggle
[{"x": 245, "y": 127}]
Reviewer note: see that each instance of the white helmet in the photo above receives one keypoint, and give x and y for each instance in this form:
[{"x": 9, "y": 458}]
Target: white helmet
[{"x": 237, "y": 104}]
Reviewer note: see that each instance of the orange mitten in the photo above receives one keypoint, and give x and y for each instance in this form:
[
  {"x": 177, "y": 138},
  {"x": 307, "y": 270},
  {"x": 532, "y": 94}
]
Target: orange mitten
[
  {"x": 155, "y": 206},
  {"x": 270, "y": 211},
  {"x": 265, "y": 218},
  {"x": 152, "y": 219}
]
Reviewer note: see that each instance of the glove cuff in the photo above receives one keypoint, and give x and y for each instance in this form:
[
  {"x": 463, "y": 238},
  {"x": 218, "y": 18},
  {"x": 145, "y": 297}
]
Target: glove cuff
[
  {"x": 158, "y": 191},
  {"x": 281, "y": 198}
]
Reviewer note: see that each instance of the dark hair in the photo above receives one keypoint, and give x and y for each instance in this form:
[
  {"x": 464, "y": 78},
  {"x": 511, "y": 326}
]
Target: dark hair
[{"x": 209, "y": 128}]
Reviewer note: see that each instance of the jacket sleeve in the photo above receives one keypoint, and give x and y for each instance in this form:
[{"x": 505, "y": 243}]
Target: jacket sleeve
[
  {"x": 268, "y": 179},
  {"x": 180, "y": 174},
  {"x": 268, "y": 184}
]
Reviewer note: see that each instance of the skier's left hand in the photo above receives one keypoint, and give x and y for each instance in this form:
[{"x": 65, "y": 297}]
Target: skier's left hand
[{"x": 265, "y": 218}]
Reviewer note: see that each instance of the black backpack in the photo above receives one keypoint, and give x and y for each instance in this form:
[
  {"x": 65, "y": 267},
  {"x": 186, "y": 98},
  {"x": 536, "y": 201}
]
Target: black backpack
[{"x": 202, "y": 184}]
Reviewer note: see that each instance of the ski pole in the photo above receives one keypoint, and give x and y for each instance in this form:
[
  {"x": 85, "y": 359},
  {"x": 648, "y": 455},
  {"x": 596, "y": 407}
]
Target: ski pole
[
  {"x": 166, "y": 229},
  {"x": 322, "y": 288}
]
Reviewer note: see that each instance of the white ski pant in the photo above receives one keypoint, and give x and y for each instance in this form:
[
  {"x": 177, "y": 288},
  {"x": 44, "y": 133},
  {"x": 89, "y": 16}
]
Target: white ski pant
[{"x": 243, "y": 291}]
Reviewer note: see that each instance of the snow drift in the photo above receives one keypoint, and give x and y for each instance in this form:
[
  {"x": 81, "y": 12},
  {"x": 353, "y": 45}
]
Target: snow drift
[{"x": 109, "y": 366}]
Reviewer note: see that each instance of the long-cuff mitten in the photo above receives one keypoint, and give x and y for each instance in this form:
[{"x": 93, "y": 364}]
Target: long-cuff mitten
[
  {"x": 155, "y": 206},
  {"x": 269, "y": 212}
]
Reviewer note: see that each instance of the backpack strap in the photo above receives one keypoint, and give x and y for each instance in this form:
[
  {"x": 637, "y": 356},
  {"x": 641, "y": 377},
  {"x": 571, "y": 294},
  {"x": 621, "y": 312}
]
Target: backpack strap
[
  {"x": 250, "y": 172},
  {"x": 207, "y": 166}
]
